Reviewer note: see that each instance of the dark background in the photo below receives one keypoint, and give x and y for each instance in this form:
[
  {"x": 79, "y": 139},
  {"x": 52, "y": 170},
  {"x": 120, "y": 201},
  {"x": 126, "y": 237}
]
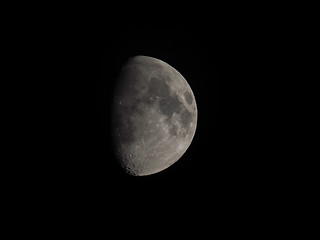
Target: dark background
[
  {"x": 244, "y": 170},
  {"x": 237, "y": 174},
  {"x": 232, "y": 167},
  {"x": 221, "y": 60}
]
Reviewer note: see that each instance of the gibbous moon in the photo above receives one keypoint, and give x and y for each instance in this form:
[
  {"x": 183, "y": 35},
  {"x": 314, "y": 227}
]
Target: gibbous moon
[{"x": 154, "y": 116}]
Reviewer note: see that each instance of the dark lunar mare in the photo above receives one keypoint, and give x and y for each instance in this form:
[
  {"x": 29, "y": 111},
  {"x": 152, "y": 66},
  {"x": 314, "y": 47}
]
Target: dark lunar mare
[
  {"x": 188, "y": 97},
  {"x": 173, "y": 130},
  {"x": 158, "y": 88},
  {"x": 186, "y": 118},
  {"x": 170, "y": 105}
]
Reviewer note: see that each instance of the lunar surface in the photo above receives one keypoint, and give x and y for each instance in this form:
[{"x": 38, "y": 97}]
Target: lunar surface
[{"x": 154, "y": 116}]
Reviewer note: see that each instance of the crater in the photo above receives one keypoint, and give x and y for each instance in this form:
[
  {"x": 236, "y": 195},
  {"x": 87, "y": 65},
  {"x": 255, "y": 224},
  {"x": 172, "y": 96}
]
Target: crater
[{"x": 188, "y": 97}]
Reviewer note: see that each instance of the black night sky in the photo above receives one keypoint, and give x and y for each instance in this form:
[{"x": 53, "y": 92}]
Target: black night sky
[
  {"x": 223, "y": 155},
  {"x": 240, "y": 174},
  {"x": 226, "y": 62},
  {"x": 207, "y": 55}
]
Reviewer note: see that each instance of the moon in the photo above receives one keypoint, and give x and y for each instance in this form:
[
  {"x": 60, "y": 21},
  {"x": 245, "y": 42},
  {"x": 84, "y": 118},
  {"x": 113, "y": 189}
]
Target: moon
[{"x": 154, "y": 116}]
